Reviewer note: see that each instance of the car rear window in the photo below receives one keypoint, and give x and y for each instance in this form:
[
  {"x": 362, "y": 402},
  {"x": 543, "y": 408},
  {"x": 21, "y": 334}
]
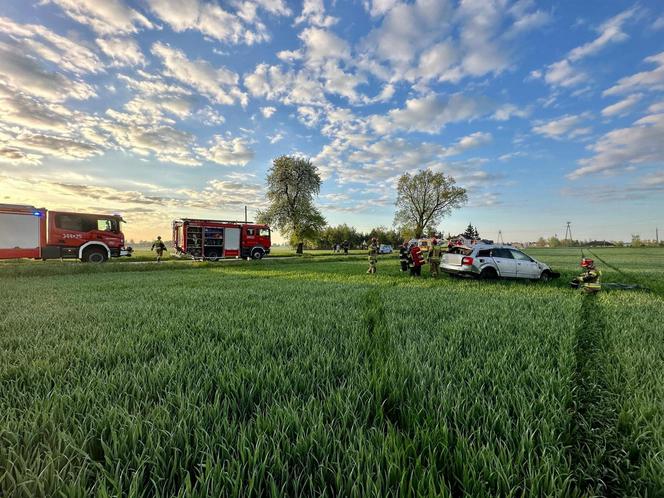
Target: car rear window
[
  {"x": 460, "y": 250},
  {"x": 484, "y": 253}
]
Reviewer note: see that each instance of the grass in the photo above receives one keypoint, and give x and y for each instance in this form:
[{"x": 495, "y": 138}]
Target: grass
[{"x": 304, "y": 376}]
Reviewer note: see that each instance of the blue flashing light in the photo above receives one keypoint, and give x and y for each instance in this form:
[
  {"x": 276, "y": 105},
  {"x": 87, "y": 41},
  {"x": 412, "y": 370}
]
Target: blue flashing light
[{"x": 36, "y": 213}]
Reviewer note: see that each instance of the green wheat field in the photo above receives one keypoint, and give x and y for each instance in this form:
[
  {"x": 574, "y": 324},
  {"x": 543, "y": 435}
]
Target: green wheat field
[{"x": 307, "y": 377}]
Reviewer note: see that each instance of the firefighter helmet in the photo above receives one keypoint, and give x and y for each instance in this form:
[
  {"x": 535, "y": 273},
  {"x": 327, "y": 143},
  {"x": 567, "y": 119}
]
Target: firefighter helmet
[
  {"x": 434, "y": 242},
  {"x": 587, "y": 263}
]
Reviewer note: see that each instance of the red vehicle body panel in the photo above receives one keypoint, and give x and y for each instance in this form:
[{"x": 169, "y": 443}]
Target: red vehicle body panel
[
  {"x": 60, "y": 234},
  {"x": 216, "y": 239}
]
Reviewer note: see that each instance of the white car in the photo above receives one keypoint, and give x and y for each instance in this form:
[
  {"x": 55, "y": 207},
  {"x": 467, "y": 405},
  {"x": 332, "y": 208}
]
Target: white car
[
  {"x": 385, "y": 249},
  {"x": 489, "y": 261}
]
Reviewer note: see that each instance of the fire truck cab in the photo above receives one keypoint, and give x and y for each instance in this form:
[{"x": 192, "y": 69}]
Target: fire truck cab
[
  {"x": 217, "y": 239},
  {"x": 30, "y": 232}
]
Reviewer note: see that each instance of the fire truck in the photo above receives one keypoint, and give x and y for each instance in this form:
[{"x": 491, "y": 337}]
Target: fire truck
[
  {"x": 30, "y": 232},
  {"x": 217, "y": 239}
]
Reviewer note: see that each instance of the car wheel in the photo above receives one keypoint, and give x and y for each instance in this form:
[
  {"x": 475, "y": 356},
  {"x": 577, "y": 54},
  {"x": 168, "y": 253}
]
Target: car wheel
[
  {"x": 488, "y": 274},
  {"x": 95, "y": 255},
  {"x": 257, "y": 253},
  {"x": 545, "y": 276}
]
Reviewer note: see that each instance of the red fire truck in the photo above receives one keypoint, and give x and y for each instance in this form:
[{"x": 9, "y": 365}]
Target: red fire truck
[
  {"x": 30, "y": 232},
  {"x": 216, "y": 239}
]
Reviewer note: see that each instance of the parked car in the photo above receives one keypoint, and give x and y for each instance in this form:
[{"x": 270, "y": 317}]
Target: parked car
[
  {"x": 385, "y": 249},
  {"x": 488, "y": 261}
]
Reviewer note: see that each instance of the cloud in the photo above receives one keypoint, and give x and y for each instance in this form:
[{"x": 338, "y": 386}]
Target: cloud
[
  {"x": 218, "y": 84},
  {"x": 64, "y": 52},
  {"x": 564, "y": 126},
  {"x": 646, "y": 80},
  {"x": 268, "y": 111},
  {"x": 53, "y": 146},
  {"x": 438, "y": 40},
  {"x": 609, "y": 32},
  {"x": 619, "y": 149},
  {"x": 562, "y": 73},
  {"x": 25, "y": 74},
  {"x": 228, "y": 152},
  {"x": 209, "y": 18},
  {"x": 622, "y": 106},
  {"x": 277, "y": 137},
  {"x": 431, "y": 113},
  {"x": 18, "y": 157},
  {"x": 107, "y": 17},
  {"x": 378, "y": 8},
  {"x": 167, "y": 143},
  {"x": 289, "y": 87},
  {"x": 123, "y": 51},
  {"x": 23, "y": 110},
  {"x": 313, "y": 12},
  {"x": 322, "y": 45}
]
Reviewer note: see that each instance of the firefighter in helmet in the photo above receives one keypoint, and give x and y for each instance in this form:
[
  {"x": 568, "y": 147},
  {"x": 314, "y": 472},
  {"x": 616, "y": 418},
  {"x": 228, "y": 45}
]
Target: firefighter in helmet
[
  {"x": 589, "y": 280},
  {"x": 159, "y": 247},
  {"x": 434, "y": 256},
  {"x": 403, "y": 255},
  {"x": 416, "y": 260},
  {"x": 373, "y": 255}
]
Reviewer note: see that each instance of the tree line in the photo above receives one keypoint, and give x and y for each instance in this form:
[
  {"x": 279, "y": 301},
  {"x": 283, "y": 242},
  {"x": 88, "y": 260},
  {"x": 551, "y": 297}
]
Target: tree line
[{"x": 293, "y": 183}]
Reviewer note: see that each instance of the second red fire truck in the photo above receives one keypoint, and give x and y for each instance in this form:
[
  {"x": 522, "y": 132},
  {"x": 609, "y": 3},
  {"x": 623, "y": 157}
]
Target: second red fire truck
[{"x": 216, "y": 239}]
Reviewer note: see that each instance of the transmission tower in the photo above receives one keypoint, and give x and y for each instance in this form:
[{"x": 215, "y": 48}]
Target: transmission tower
[
  {"x": 500, "y": 237},
  {"x": 568, "y": 231}
]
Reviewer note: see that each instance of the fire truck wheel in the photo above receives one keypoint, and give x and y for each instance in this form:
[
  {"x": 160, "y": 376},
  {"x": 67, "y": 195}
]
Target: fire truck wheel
[
  {"x": 257, "y": 253},
  {"x": 94, "y": 255},
  {"x": 213, "y": 256}
]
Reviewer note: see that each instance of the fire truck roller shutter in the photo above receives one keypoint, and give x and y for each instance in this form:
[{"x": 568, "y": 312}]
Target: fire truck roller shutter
[
  {"x": 232, "y": 242},
  {"x": 19, "y": 231}
]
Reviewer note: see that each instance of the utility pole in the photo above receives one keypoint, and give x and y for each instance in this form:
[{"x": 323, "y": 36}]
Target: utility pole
[
  {"x": 500, "y": 237},
  {"x": 657, "y": 236},
  {"x": 568, "y": 232},
  {"x": 245, "y": 214}
]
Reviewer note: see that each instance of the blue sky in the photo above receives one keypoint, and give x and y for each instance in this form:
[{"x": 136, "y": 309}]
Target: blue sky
[{"x": 545, "y": 111}]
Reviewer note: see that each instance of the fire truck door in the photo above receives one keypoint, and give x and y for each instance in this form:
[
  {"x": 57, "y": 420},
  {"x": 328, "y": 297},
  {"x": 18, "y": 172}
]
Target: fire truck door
[{"x": 231, "y": 242}]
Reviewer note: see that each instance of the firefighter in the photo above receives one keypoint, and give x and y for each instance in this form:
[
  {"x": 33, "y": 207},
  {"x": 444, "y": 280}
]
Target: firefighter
[
  {"x": 345, "y": 246},
  {"x": 403, "y": 255},
  {"x": 416, "y": 260},
  {"x": 589, "y": 280},
  {"x": 434, "y": 257},
  {"x": 373, "y": 255},
  {"x": 159, "y": 247}
]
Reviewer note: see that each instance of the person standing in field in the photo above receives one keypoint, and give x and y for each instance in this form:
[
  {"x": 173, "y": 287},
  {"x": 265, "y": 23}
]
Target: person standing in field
[
  {"x": 159, "y": 247},
  {"x": 589, "y": 280},
  {"x": 416, "y": 260},
  {"x": 346, "y": 246},
  {"x": 434, "y": 257},
  {"x": 403, "y": 255},
  {"x": 373, "y": 256}
]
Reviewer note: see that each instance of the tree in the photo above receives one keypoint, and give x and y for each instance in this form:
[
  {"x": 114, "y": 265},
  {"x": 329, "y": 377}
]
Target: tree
[
  {"x": 424, "y": 198},
  {"x": 471, "y": 232},
  {"x": 292, "y": 183}
]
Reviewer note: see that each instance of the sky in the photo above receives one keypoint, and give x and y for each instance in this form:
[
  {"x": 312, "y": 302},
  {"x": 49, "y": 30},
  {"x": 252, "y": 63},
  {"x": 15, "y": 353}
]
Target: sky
[{"x": 547, "y": 112}]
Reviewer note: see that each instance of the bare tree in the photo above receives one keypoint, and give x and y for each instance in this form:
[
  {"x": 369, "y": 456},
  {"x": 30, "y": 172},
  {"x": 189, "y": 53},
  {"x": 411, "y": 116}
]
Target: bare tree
[{"x": 424, "y": 198}]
